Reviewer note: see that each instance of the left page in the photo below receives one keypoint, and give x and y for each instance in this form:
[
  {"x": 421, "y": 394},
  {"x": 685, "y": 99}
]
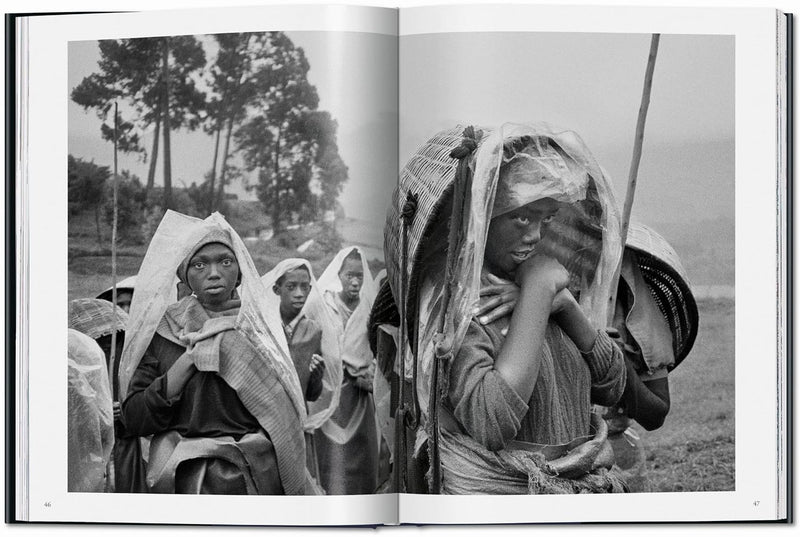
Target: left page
[{"x": 241, "y": 161}]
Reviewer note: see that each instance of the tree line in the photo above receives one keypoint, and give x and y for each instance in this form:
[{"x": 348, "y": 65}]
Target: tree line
[{"x": 253, "y": 97}]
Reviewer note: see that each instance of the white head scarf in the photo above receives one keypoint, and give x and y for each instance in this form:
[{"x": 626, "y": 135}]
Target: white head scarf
[
  {"x": 356, "y": 353},
  {"x": 174, "y": 239}
]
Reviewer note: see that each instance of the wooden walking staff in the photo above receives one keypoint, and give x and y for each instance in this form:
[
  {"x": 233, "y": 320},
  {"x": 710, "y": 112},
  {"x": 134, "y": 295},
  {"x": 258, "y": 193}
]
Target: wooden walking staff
[{"x": 634, "y": 171}]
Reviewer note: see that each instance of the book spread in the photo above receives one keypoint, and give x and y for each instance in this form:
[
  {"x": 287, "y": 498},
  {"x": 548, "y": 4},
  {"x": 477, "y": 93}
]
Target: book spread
[{"x": 327, "y": 265}]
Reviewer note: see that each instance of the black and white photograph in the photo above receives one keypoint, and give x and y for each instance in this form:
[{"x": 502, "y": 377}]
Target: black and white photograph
[
  {"x": 550, "y": 356},
  {"x": 508, "y": 224},
  {"x": 226, "y": 200}
]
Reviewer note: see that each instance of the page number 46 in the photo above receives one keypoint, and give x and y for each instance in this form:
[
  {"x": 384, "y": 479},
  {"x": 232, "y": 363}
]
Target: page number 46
[{"x": 48, "y": 504}]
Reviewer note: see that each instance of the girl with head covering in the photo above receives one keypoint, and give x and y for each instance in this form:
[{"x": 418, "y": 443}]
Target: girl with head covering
[
  {"x": 513, "y": 403},
  {"x": 655, "y": 324},
  {"x": 348, "y": 446},
  {"x": 209, "y": 376}
]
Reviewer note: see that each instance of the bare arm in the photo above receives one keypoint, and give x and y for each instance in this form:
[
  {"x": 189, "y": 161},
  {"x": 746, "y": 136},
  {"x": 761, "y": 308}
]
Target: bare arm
[
  {"x": 570, "y": 317},
  {"x": 645, "y": 401},
  {"x": 540, "y": 279}
]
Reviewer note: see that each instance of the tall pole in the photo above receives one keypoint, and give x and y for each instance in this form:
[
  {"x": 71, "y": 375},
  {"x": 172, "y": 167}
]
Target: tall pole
[
  {"x": 113, "y": 358},
  {"x": 165, "y": 124},
  {"x": 634, "y": 169}
]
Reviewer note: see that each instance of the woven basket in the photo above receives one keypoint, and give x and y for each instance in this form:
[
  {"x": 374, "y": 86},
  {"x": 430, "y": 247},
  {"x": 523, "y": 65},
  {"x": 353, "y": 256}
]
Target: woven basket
[
  {"x": 665, "y": 276},
  {"x": 428, "y": 174},
  {"x": 95, "y": 317},
  {"x": 384, "y": 311}
]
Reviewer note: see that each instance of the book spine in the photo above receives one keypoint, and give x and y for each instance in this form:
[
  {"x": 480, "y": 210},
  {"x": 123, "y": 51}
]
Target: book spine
[
  {"x": 16, "y": 508},
  {"x": 787, "y": 163}
]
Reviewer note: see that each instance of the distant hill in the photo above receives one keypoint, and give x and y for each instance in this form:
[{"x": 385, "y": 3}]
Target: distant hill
[
  {"x": 689, "y": 182},
  {"x": 706, "y": 248},
  {"x": 685, "y": 192}
]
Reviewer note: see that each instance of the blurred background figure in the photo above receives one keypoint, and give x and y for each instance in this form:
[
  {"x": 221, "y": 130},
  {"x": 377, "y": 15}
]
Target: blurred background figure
[
  {"x": 348, "y": 449},
  {"x": 98, "y": 319},
  {"x": 655, "y": 324},
  {"x": 89, "y": 416},
  {"x": 124, "y": 293}
]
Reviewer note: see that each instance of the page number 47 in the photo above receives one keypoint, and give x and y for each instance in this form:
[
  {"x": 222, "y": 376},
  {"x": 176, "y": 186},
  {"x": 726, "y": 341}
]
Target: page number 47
[{"x": 757, "y": 503}]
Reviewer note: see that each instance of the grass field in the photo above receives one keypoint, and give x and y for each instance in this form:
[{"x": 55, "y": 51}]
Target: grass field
[
  {"x": 89, "y": 265},
  {"x": 694, "y": 450}
]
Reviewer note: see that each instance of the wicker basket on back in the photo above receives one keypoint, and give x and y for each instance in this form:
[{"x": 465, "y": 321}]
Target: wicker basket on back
[
  {"x": 669, "y": 285},
  {"x": 429, "y": 176}
]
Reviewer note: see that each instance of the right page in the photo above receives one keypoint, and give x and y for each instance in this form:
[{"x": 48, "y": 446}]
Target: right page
[{"x": 585, "y": 246}]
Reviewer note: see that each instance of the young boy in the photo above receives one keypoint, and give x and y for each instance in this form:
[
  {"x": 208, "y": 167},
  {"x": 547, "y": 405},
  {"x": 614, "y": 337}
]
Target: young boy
[
  {"x": 303, "y": 335},
  {"x": 291, "y": 282}
]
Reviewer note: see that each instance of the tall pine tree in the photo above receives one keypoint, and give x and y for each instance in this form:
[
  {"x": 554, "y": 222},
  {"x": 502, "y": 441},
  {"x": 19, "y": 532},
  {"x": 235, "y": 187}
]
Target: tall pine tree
[
  {"x": 285, "y": 139},
  {"x": 155, "y": 77}
]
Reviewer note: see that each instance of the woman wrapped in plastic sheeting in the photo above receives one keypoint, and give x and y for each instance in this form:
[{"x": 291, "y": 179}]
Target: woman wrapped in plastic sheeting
[
  {"x": 90, "y": 423},
  {"x": 349, "y": 444},
  {"x": 101, "y": 320},
  {"x": 210, "y": 375},
  {"x": 516, "y": 393}
]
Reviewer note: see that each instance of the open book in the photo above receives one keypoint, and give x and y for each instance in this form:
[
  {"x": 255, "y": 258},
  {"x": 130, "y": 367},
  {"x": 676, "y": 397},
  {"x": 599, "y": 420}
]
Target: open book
[{"x": 363, "y": 266}]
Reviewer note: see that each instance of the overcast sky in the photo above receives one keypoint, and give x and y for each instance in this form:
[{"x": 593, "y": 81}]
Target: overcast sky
[
  {"x": 590, "y": 83},
  {"x": 356, "y": 78}
]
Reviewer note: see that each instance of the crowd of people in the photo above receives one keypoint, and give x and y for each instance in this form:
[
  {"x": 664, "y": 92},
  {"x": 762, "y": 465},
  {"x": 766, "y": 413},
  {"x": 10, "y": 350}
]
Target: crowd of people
[
  {"x": 208, "y": 377},
  {"x": 208, "y": 396}
]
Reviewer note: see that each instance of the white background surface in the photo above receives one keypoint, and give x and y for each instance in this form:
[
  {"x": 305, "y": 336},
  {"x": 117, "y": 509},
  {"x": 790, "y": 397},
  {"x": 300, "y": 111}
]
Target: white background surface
[{"x": 40, "y": 5}]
